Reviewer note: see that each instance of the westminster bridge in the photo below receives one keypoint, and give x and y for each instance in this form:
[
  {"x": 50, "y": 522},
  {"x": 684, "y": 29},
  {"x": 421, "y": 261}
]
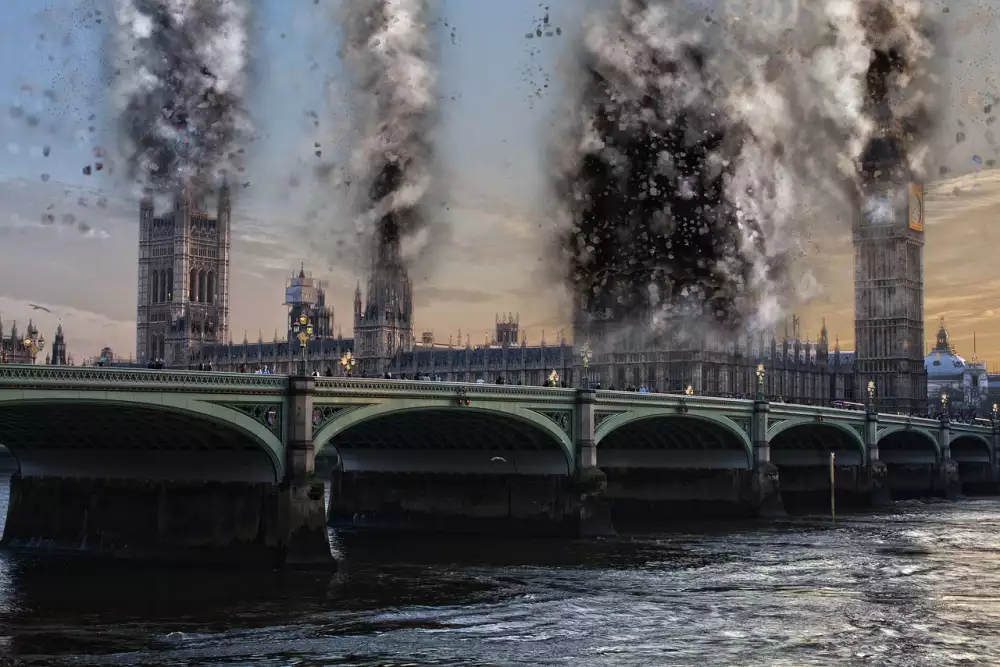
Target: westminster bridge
[{"x": 203, "y": 465}]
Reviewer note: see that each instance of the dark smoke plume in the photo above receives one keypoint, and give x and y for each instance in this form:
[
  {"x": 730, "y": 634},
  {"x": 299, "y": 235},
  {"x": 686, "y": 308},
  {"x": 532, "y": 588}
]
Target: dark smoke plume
[
  {"x": 703, "y": 150},
  {"x": 388, "y": 51},
  {"x": 898, "y": 78},
  {"x": 180, "y": 81}
]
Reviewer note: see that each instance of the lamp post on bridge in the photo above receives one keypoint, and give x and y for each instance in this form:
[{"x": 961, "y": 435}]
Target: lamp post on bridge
[
  {"x": 303, "y": 330},
  {"x": 871, "y": 396},
  {"x": 944, "y": 406},
  {"x": 586, "y": 354},
  {"x": 689, "y": 391},
  {"x": 995, "y": 408},
  {"x": 760, "y": 382},
  {"x": 34, "y": 344},
  {"x": 347, "y": 363},
  {"x": 553, "y": 378}
]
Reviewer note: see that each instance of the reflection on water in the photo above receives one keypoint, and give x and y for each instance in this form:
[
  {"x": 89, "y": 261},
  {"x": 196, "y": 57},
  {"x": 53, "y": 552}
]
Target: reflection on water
[{"x": 915, "y": 586}]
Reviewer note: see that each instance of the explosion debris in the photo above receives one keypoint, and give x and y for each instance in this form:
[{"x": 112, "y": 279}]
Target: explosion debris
[
  {"x": 703, "y": 150},
  {"x": 388, "y": 50},
  {"x": 180, "y": 84}
]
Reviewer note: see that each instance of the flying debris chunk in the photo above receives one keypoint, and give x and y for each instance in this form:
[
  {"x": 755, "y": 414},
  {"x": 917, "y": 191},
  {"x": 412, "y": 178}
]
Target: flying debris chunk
[
  {"x": 87, "y": 170},
  {"x": 46, "y": 150},
  {"x": 35, "y": 306}
]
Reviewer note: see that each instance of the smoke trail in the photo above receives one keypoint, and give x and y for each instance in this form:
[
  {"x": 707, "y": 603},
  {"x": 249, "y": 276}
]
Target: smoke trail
[
  {"x": 702, "y": 151},
  {"x": 180, "y": 80},
  {"x": 388, "y": 50},
  {"x": 898, "y": 78}
]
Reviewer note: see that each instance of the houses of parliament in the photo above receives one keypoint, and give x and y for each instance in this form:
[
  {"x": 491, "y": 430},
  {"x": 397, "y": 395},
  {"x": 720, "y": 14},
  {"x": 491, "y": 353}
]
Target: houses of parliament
[
  {"x": 183, "y": 321},
  {"x": 183, "y": 316}
]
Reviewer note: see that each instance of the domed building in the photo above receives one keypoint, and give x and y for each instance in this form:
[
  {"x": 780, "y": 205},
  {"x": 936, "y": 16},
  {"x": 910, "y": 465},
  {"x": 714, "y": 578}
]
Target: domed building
[{"x": 965, "y": 382}]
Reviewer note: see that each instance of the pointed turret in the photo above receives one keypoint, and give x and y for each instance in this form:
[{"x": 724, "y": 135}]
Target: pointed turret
[
  {"x": 58, "y": 357},
  {"x": 225, "y": 196},
  {"x": 943, "y": 339}
]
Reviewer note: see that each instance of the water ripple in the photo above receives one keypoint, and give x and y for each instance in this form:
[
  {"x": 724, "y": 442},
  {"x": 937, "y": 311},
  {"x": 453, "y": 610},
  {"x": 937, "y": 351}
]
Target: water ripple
[{"x": 914, "y": 586}]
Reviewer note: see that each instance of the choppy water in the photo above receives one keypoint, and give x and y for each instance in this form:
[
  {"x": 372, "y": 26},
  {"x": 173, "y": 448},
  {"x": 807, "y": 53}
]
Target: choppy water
[{"x": 915, "y": 586}]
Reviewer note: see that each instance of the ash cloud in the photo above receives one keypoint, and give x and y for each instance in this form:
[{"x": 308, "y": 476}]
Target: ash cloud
[
  {"x": 704, "y": 147},
  {"x": 388, "y": 50},
  {"x": 179, "y": 86}
]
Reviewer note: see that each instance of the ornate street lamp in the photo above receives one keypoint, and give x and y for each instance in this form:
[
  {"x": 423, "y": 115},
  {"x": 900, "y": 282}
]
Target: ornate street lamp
[
  {"x": 586, "y": 354},
  {"x": 303, "y": 330},
  {"x": 760, "y": 382},
  {"x": 944, "y": 404},
  {"x": 34, "y": 344},
  {"x": 995, "y": 413},
  {"x": 871, "y": 395},
  {"x": 689, "y": 391},
  {"x": 553, "y": 378},
  {"x": 347, "y": 363}
]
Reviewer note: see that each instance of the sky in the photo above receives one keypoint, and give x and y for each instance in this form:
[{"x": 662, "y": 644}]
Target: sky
[{"x": 500, "y": 96}]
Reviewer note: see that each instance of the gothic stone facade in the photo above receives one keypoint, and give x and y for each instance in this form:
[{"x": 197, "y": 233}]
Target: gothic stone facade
[
  {"x": 889, "y": 275},
  {"x": 383, "y": 323},
  {"x": 183, "y": 279},
  {"x": 797, "y": 371}
]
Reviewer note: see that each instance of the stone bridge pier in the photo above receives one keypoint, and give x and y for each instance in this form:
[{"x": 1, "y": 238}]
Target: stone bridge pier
[
  {"x": 166, "y": 465},
  {"x": 805, "y": 443},
  {"x": 878, "y": 458},
  {"x": 684, "y": 457},
  {"x": 442, "y": 457},
  {"x": 155, "y": 466}
]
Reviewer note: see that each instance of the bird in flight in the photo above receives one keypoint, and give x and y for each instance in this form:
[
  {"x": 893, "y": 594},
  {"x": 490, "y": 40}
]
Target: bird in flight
[{"x": 35, "y": 306}]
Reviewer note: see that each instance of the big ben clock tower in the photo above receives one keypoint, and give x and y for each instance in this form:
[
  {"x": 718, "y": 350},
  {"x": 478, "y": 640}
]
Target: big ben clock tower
[{"x": 888, "y": 262}]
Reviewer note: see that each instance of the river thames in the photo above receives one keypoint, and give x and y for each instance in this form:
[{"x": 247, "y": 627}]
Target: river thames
[{"x": 915, "y": 585}]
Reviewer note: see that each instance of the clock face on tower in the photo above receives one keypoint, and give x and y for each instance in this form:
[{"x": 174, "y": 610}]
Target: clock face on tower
[
  {"x": 877, "y": 209},
  {"x": 916, "y": 208}
]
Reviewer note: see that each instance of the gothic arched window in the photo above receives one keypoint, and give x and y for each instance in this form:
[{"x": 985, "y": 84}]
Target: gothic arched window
[
  {"x": 169, "y": 292},
  {"x": 193, "y": 285},
  {"x": 201, "y": 287},
  {"x": 154, "y": 287},
  {"x": 211, "y": 288}
]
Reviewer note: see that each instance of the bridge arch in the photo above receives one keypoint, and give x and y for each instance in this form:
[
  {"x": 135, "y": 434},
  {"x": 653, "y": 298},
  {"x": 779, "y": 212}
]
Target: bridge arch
[
  {"x": 117, "y": 437},
  {"x": 902, "y": 445},
  {"x": 448, "y": 439},
  {"x": 807, "y": 442},
  {"x": 641, "y": 439},
  {"x": 970, "y": 448}
]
